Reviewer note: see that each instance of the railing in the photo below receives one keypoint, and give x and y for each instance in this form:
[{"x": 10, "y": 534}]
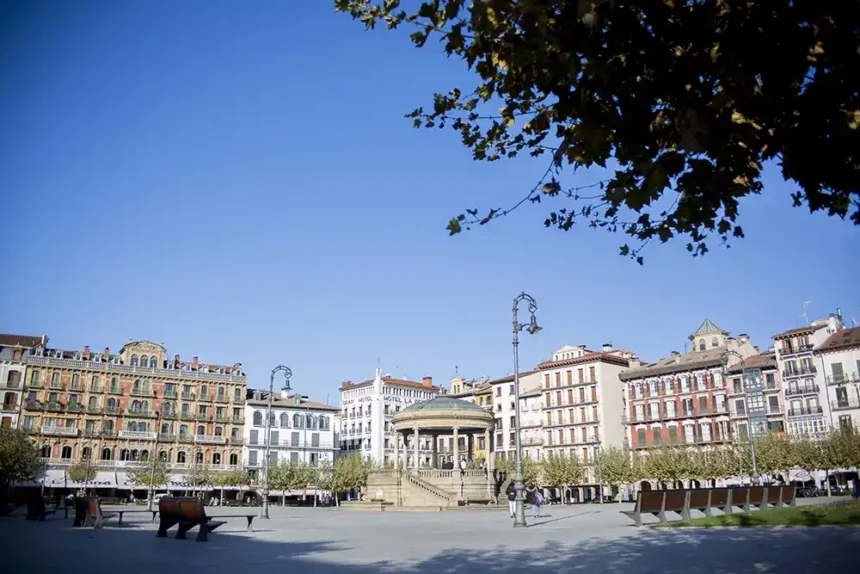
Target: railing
[
  {"x": 143, "y": 435},
  {"x": 170, "y": 394},
  {"x": 114, "y": 390},
  {"x": 426, "y": 486},
  {"x": 802, "y": 370},
  {"x": 188, "y": 396},
  {"x": 205, "y": 397},
  {"x": 139, "y": 413},
  {"x": 795, "y": 350},
  {"x": 434, "y": 473},
  {"x": 54, "y": 407},
  {"x": 187, "y": 416},
  {"x": 9, "y": 408},
  {"x": 166, "y": 437},
  {"x": 210, "y": 439},
  {"x": 222, "y": 419},
  {"x": 205, "y": 418},
  {"x": 169, "y": 415},
  {"x": 221, "y": 399},
  {"x": 96, "y": 388},
  {"x": 237, "y": 441},
  {"x": 805, "y": 411},
  {"x": 108, "y": 434},
  {"x": 145, "y": 393},
  {"x": 847, "y": 403},
  {"x": 78, "y": 388},
  {"x": 91, "y": 433},
  {"x": 59, "y": 431},
  {"x": 852, "y": 378},
  {"x": 110, "y": 366},
  {"x": 806, "y": 390},
  {"x": 34, "y": 406},
  {"x": 239, "y": 420},
  {"x": 55, "y": 461},
  {"x": 531, "y": 441},
  {"x": 75, "y": 408},
  {"x": 113, "y": 410},
  {"x": 186, "y": 438}
]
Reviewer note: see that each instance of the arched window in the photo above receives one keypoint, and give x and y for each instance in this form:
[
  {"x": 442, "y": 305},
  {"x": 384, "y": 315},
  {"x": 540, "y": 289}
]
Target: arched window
[
  {"x": 144, "y": 455},
  {"x": 135, "y": 388},
  {"x": 153, "y": 362},
  {"x": 167, "y": 407},
  {"x": 134, "y": 360},
  {"x": 107, "y": 454},
  {"x": 219, "y": 431},
  {"x": 165, "y": 428},
  {"x": 285, "y": 420},
  {"x": 701, "y": 344},
  {"x": 113, "y": 383},
  {"x": 162, "y": 455},
  {"x": 216, "y": 458},
  {"x": 201, "y": 430},
  {"x": 312, "y": 422},
  {"x": 184, "y": 408},
  {"x": 183, "y": 430},
  {"x": 111, "y": 403},
  {"x": 144, "y": 406},
  {"x": 298, "y": 421},
  {"x": 107, "y": 426},
  {"x": 234, "y": 459},
  {"x": 144, "y": 360},
  {"x": 132, "y": 426},
  {"x": 234, "y": 433},
  {"x": 323, "y": 423},
  {"x": 714, "y": 342},
  {"x": 258, "y": 418},
  {"x": 180, "y": 457},
  {"x": 45, "y": 452},
  {"x": 123, "y": 454},
  {"x": 86, "y": 453},
  {"x": 199, "y": 457},
  {"x": 135, "y": 405},
  {"x": 143, "y": 427},
  {"x": 93, "y": 402}
]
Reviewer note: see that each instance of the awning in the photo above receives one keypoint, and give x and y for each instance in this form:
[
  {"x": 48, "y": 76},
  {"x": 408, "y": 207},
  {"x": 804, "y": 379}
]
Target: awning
[
  {"x": 174, "y": 482},
  {"x": 103, "y": 479}
]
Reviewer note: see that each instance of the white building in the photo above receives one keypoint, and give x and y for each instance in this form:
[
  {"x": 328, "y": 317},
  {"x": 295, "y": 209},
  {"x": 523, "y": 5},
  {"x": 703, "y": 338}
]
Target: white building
[
  {"x": 583, "y": 401},
  {"x": 805, "y": 386},
  {"x": 367, "y": 409},
  {"x": 301, "y": 431},
  {"x": 504, "y": 441},
  {"x": 531, "y": 423},
  {"x": 13, "y": 349},
  {"x": 839, "y": 359}
]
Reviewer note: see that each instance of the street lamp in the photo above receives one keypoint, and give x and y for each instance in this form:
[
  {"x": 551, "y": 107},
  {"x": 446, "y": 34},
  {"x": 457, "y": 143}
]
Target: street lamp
[
  {"x": 532, "y": 328},
  {"x": 154, "y": 458},
  {"x": 746, "y": 404},
  {"x": 287, "y": 374}
]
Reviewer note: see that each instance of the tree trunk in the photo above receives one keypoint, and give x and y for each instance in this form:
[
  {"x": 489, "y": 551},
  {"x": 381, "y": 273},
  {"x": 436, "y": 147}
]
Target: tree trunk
[
  {"x": 336, "y": 501},
  {"x": 827, "y": 481},
  {"x": 222, "y": 496}
]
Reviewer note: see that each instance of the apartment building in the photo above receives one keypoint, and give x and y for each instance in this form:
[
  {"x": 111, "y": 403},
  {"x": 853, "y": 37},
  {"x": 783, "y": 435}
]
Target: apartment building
[
  {"x": 478, "y": 391},
  {"x": 683, "y": 398},
  {"x": 838, "y": 357},
  {"x": 13, "y": 371},
  {"x": 756, "y": 397},
  {"x": 531, "y": 424},
  {"x": 300, "y": 431},
  {"x": 804, "y": 384},
  {"x": 504, "y": 410},
  {"x": 583, "y": 402},
  {"x": 367, "y": 409},
  {"x": 119, "y": 408}
]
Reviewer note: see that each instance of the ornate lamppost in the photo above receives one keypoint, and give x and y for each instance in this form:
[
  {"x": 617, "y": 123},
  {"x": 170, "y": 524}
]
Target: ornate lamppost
[
  {"x": 532, "y": 328},
  {"x": 752, "y": 433},
  {"x": 287, "y": 375},
  {"x": 151, "y": 493}
]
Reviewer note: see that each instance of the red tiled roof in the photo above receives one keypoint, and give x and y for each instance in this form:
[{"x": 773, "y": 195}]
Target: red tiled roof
[
  {"x": 588, "y": 357},
  {"x": 19, "y": 340},
  {"x": 844, "y": 339},
  {"x": 388, "y": 381},
  {"x": 798, "y": 331},
  {"x": 763, "y": 361}
]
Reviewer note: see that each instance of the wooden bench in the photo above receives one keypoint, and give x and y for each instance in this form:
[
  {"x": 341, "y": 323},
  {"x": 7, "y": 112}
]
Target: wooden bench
[
  {"x": 707, "y": 499},
  {"x": 186, "y": 513}
]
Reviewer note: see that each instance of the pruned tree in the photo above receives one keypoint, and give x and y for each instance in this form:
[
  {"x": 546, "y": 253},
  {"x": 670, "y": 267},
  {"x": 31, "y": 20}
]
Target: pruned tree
[
  {"x": 199, "y": 476},
  {"x": 230, "y": 478},
  {"x": 616, "y": 467},
  {"x": 561, "y": 471},
  {"x": 667, "y": 464},
  {"x": 775, "y": 454},
  {"x": 82, "y": 471},
  {"x": 19, "y": 462},
  {"x": 323, "y": 476},
  {"x": 350, "y": 472},
  {"x": 142, "y": 472},
  {"x": 681, "y": 103}
]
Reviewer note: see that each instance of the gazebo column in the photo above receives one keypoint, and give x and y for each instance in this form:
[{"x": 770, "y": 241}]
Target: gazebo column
[
  {"x": 396, "y": 450},
  {"x": 417, "y": 448},
  {"x": 470, "y": 446},
  {"x": 488, "y": 459},
  {"x": 435, "y": 460},
  {"x": 456, "y": 448}
]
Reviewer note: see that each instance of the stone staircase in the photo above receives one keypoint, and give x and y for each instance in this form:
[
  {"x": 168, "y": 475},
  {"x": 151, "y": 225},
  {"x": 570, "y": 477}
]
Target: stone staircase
[
  {"x": 404, "y": 489},
  {"x": 444, "y": 498}
]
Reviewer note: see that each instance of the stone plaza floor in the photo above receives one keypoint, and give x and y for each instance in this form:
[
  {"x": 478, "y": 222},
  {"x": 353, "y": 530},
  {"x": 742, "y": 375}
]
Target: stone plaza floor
[{"x": 584, "y": 538}]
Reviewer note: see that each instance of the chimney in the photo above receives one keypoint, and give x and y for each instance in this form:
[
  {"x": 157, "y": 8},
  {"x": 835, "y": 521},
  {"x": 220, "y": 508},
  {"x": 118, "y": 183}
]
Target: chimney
[
  {"x": 176, "y": 361},
  {"x": 675, "y": 353},
  {"x": 744, "y": 338},
  {"x": 607, "y": 347},
  {"x": 194, "y": 362},
  {"x": 44, "y": 340},
  {"x": 106, "y": 355},
  {"x": 427, "y": 381},
  {"x": 86, "y": 352},
  {"x": 634, "y": 362}
]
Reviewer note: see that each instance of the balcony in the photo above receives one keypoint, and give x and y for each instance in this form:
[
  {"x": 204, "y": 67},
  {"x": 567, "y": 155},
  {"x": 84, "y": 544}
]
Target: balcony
[
  {"x": 75, "y": 408},
  {"x": 169, "y": 415},
  {"x": 203, "y": 417},
  {"x": 113, "y": 411},
  {"x": 188, "y": 396},
  {"x": 9, "y": 408},
  {"x": 76, "y": 388},
  {"x": 206, "y": 397},
  {"x": 845, "y": 379},
  {"x": 59, "y": 431},
  {"x": 210, "y": 439},
  {"x": 184, "y": 416},
  {"x": 54, "y": 462},
  {"x": 143, "y": 393},
  {"x": 108, "y": 434},
  {"x": 222, "y": 419},
  {"x": 800, "y": 371},
  {"x": 805, "y": 411},
  {"x": 140, "y": 413},
  {"x": 805, "y": 390},
  {"x": 54, "y": 407},
  {"x": 33, "y": 406},
  {"x": 10, "y": 385},
  {"x": 169, "y": 394},
  {"x": 166, "y": 437},
  {"x": 844, "y": 404},
  {"x": 239, "y": 420},
  {"x": 794, "y": 350},
  {"x": 185, "y": 438},
  {"x": 222, "y": 399},
  {"x": 237, "y": 441},
  {"x": 91, "y": 433},
  {"x": 114, "y": 390},
  {"x": 96, "y": 388},
  {"x": 140, "y": 435}
]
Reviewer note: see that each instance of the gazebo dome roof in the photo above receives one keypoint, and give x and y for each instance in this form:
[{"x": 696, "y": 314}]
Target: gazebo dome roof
[{"x": 442, "y": 403}]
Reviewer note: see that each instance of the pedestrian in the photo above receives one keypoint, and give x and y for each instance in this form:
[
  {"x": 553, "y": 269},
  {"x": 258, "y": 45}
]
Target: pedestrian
[
  {"x": 537, "y": 500},
  {"x": 462, "y": 464},
  {"x": 512, "y": 499}
]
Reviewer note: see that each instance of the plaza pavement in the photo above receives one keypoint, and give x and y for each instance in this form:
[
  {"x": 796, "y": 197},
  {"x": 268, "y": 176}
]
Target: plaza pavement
[{"x": 584, "y": 538}]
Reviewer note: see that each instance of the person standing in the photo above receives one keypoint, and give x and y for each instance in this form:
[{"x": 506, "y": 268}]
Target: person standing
[
  {"x": 512, "y": 499},
  {"x": 537, "y": 501}
]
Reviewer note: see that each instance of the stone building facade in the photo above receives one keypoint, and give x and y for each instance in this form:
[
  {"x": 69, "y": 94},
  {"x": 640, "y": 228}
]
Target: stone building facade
[{"x": 13, "y": 371}]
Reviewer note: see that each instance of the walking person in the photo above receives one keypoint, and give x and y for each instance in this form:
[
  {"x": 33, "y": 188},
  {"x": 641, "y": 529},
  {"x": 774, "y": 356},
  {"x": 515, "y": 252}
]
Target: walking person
[
  {"x": 512, "y": 499},
  {"x": 537, "y": 501}
]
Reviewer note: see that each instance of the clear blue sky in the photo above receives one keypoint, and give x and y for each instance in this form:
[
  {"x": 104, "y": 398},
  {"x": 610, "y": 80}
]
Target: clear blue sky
[{"x": 237, "y": 181}]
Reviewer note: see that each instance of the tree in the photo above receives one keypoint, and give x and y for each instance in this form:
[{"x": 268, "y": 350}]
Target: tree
[
  {"x": 141, "y": 473},
  {"x": 667, "y": 464},
  {"x": 775, "y": 454},
  {"x": 229, "y": 478},
  {"x": 323, "y": 476},
  {"x": 82, "y": 471},
  {"x": 350, "y": 472},
  {"x": 199, "y": 476},
  {"x": 19, "y": 462},
  {"x": 681, "y": 101},
  {"x": 616, "y": 467},
  {"x": 560, "y": 470}
]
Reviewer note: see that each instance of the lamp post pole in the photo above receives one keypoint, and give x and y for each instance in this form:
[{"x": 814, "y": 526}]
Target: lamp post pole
[
  {"x": 519, "y": 485},
  {"x": 752, "y": 437},
  {"x": 154, "y": 458},
  {"x": 287, "y": 374}
]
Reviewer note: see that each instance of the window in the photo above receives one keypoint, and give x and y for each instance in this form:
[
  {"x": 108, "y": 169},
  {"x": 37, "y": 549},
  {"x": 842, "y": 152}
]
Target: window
[
  {"x": 219, "y": 431},
  {"x": 134, "y": 360},
  {"x": 845, "y": 422},
  {"x": 773, "y": 404},
  {"x": 66, "y": 452},
  {"x": 298, "y": 421},
  {"x": 258, "y": 418},
  {"x": 640, "y": 436},
  {"x": 771, "y": 381},
  {"x": 201, "y": 430},
  {"x": 180, "y": 457},
  {"x": 234, "y": 460},
  {"x": 740, "y": 407},
  {"x": 203, "y": 391},
  {"x": 836, "y": 369},
  {"x": 153, "y": 362},
  {"x": 591, "y": 374},
  {"x": 285, "y": 420},
  {"x": 199, "y": 457},
  {"x": 738, "y": 386},
  {"x": 294, "y": 439},
  {"x": 55, "y": 379},
  {"x": 34, "y": 378},
  {"x": 237, "y": 394},
  {"x": 701, "y": 344},
  {"x": 216, "y": 458}
]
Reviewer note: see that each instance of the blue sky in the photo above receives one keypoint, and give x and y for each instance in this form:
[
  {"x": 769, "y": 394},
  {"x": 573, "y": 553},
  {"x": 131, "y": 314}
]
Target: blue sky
[{"x": 240, "y": 184}]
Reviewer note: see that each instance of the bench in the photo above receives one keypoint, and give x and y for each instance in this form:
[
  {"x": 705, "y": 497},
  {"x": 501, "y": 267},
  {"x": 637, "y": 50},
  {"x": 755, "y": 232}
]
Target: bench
[
  {"x": 705, "y": 500},
  {"x": 36, "y": 509},
  {"x": 186, "y": 513}
]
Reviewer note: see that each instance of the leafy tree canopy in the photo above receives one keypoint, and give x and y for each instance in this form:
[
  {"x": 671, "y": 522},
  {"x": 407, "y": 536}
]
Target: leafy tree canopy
[
  {"x": 682, "y": 101},
  {"x": 19, "y": 457},
  {"x": 82, "y": 471},
  {"x": 141, "y": 473}
]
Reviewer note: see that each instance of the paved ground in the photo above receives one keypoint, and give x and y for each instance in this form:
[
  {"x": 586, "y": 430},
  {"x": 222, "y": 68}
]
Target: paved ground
[{"x": 586, "y": 539}]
